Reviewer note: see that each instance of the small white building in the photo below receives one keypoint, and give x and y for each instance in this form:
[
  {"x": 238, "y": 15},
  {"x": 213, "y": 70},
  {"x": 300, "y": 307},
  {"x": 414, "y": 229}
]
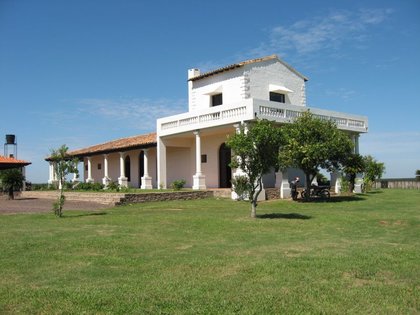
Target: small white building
[{"x": 191, "y": 146}]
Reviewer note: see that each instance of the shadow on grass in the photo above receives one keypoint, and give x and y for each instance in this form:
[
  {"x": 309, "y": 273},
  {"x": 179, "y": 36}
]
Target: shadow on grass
[
  {"x": 84, "y": 215},
  {"x": 373, "y": 192},
  {"x": 335, "y": 199},
  {"x": 292, "y": 216}
]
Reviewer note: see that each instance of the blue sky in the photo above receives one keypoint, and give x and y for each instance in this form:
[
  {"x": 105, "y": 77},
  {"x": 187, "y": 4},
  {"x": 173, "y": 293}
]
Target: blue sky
[{"x": 85, "y": 72}]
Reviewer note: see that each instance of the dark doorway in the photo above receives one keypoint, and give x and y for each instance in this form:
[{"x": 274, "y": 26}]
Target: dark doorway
[
  {"x": 225, "y": 172},
  {"x": 127, "y": 168},
  {"x": 141, "y": 166}
]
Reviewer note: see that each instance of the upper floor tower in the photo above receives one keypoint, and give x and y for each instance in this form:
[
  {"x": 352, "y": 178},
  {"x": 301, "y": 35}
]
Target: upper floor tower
[{"x": 267, "y": 78}]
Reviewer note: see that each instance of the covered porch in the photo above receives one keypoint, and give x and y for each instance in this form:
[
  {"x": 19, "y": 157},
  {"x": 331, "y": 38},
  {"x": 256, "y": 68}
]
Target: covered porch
[{"x": 129, "y": 162}]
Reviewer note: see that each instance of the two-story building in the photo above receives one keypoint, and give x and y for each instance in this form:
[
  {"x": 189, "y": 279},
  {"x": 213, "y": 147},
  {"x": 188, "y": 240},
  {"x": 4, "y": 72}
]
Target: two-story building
[{"x": 191, "y": 145}]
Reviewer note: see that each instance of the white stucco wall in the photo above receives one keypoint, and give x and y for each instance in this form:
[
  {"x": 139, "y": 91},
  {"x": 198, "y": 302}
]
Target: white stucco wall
[
  {"x": 249, "y": 81},
  {"x": 179, "y": 165},
  {"x": 262, "y": 74},
  {"x": 210, "y": 145},
  {"x": 228, "y": 83}
]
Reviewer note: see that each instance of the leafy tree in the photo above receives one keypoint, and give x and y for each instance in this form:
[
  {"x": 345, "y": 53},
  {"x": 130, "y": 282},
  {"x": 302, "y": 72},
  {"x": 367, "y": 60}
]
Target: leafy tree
[
  {"x": 418, "y": 175},
  {"x": 11, "y": 180},
  {"x": 353, "y": 164},
  {"x": 373, "y": 171},
  {"x": 311, "y": 144},
  {"x": 63, "y": 165},
  {"x": 255, "y": 153}
]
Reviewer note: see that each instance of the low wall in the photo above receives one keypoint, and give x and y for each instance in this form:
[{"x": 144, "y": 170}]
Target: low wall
[
  {"x": 272, "y": 193},
  {"x": 400, "y": 183},
  {"x": 166, "y": 196},
  {"x": 102, "y": 198}
]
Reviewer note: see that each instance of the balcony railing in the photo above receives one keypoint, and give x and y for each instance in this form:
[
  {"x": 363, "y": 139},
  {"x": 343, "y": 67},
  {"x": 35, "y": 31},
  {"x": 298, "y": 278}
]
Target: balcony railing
[{"x": 251, "y": 109}]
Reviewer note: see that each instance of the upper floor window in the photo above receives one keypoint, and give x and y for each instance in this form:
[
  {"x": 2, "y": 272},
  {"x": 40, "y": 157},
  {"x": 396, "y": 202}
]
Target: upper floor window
[
  {"x": 216, "y": 99},
  {"x": 277, "y": 97}
]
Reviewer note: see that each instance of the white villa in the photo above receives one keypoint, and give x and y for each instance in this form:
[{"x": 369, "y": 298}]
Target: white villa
[{"x": 191, "y": 146}]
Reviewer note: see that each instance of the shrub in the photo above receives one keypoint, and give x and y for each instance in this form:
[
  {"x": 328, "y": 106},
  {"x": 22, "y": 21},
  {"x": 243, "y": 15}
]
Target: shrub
[
  {"x": 90, "y": 186},
  {"x": 113, "y": 186},
  {"x": 178, "y": 184},
  {"x": 240, "y": 185}
]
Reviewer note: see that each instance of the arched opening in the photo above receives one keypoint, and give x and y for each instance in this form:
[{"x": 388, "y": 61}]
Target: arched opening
[
  {"x": 141, "y": 167},
  {"x": 225, "y": 172},
  {"x": 127, "y": 168}
]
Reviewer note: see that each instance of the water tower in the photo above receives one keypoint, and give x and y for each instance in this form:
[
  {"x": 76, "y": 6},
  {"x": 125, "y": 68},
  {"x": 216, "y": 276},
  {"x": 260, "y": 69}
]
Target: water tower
[{"x": 10, "y": 146}]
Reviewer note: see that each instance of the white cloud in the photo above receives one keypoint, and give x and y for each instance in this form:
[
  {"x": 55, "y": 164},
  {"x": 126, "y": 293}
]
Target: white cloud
[{"x": 321, "y": 33}]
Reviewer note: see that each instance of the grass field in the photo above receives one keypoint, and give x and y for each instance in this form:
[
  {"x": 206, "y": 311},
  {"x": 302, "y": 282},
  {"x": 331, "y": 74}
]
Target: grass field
[{"x": 357, "y": 255}]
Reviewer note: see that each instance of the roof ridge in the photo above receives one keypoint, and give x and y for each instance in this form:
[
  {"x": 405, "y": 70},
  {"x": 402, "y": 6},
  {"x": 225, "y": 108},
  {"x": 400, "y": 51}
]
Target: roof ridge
[{"x": 247, "y": 62}]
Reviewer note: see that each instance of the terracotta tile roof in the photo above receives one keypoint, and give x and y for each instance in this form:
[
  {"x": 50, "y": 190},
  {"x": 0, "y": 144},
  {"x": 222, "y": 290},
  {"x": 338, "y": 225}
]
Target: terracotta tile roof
[
  {"x": 8, "y": 162},
  {"x": 130, "y": 143},
  {"x": 243, "y": 63}
]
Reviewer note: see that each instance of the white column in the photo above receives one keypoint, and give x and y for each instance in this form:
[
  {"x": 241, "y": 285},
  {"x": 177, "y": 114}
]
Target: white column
[
  {"x": 89, "y": 178},
  {"x": 75, "y": 179},
  {"x": 106, "y": 180},
  {"x": 285, "y": 186},
  {"x": 161, "y": 164},
  {"x": 122, "y": 180},
  {"x": 146, "y": 180},
  {"x": 336, "y": 182},
  {"x": 359, "y": 177},
  {"x": 51, "y": 173},
  {"x": 199, "y": 179}
]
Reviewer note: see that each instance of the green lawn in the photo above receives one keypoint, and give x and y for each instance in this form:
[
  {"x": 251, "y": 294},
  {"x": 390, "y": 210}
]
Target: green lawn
[{"x": 352, "y": 256}]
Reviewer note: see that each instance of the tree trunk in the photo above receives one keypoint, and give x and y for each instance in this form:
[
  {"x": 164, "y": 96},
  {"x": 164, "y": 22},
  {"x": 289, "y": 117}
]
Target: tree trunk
[
  {"x": 308, "y": 182},
  {"x": 11, "y": 195},
  {"x": 352, "y": 182},
  {"x": 253, "y": 209}
]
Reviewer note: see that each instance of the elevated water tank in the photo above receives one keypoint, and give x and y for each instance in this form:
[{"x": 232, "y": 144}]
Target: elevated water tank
[{"x": 10, "y": 139}]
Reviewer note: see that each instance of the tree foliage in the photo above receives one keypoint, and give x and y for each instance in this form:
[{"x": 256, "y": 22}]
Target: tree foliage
[
  {"x": 311, "y": 144},
  {"x": 353, "y": 164},
  {"x": 11, "y": 180},
  {"x": 63, "y": 165},
  {"x": 255, "y": 152},
  {"x": 373, "y": 171}
]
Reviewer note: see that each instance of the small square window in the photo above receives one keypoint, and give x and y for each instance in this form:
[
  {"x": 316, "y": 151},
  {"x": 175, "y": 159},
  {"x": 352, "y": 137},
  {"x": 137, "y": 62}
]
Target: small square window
[
  {"x": 216, "y": 99},
  {"x": 203, "y": 158},
  {"x": 99, "y": 166},
  {"x": 277, "y": 97}
]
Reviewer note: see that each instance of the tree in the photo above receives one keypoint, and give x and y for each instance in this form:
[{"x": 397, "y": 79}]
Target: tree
[
  {"x": 255, "y": 153},
  {"x": 312, "y": 143},
  {"x": 353, "y": 164},
  {"x": 63, "y": 165},
  {"x": 11, "y": 180},
  {"x": 373, "y": 171}
]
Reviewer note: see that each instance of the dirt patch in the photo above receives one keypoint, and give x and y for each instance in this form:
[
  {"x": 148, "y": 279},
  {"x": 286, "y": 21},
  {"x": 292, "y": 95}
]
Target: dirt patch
[{"x": 39, "y": 205}]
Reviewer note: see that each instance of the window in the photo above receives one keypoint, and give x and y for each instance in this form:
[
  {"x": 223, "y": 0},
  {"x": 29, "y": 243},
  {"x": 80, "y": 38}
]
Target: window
[
  {"x": 216, "y": 99},
  {"x": 86, "y": 167},
  {"x": 99, "y": 166},
  {"x": 203, "y": 158},
  {"x": 277, "y": 97}
]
